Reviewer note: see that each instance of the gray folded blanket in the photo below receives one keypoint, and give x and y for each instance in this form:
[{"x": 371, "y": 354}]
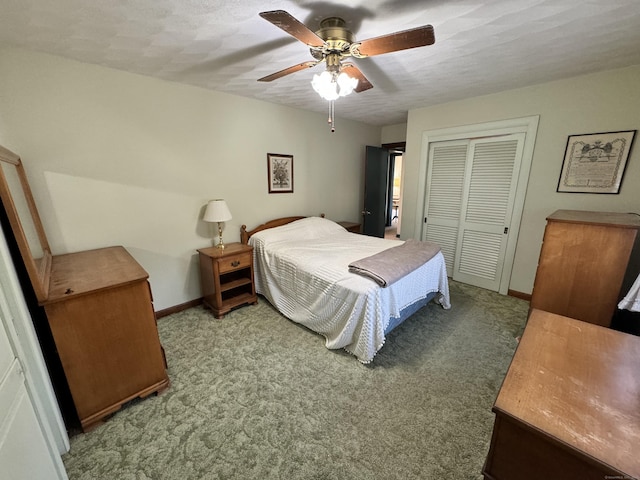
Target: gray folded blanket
[{"x": 394, "y": 263}]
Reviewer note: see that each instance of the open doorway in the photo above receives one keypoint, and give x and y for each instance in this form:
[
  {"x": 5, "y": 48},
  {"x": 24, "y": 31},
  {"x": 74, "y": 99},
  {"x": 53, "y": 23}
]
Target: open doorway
[
  {"x": 394, "y": 198},
  {"x": 381, "y": 211}
]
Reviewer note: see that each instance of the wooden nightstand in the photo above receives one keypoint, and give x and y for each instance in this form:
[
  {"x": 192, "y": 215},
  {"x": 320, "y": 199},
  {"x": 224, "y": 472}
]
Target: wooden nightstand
[
  {"x": 352, "y": 227},
  {"x": 226, "y": 276}
]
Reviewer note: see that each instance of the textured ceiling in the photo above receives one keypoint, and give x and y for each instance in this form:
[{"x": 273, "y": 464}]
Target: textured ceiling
[{"x": 481, "y": 46}]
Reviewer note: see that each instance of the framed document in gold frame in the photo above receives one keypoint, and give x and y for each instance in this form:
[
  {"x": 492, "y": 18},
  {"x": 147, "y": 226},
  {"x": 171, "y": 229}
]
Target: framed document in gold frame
[{"x": 595, "y": 162}]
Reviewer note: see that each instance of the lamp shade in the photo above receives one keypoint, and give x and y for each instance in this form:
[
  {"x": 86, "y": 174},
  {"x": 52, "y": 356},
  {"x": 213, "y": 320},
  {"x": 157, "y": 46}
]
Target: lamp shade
[
  {"x": 217, "y": 211},
  {"x": 331, "y": 85}
]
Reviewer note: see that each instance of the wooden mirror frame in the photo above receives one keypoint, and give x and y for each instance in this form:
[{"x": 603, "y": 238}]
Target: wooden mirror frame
[{"x": 25, "y": 213}]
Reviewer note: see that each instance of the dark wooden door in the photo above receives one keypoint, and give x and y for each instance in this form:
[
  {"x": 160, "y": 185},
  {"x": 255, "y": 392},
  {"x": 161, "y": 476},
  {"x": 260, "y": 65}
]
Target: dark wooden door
[{"x": 376, "y": 178}]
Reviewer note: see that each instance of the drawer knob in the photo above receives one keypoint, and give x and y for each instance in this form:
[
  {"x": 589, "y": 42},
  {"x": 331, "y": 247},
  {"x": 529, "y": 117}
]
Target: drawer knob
[{"x": 235, "y": 263}]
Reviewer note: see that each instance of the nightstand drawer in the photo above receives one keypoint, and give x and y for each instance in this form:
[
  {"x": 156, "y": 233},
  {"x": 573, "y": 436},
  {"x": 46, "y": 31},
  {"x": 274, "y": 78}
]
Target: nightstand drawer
[{"x": 229, "y": 264}]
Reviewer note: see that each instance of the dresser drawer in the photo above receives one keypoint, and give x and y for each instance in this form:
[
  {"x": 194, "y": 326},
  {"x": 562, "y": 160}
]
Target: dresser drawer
[{"x": 231, "y": 263}]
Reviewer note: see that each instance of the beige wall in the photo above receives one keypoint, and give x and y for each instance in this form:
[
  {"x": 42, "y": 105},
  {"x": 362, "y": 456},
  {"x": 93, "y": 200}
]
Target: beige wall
[
  {"x": 394, "y": 133},
  {"x": 606, "y": 101},
  {"x": 120, "y": 159}
]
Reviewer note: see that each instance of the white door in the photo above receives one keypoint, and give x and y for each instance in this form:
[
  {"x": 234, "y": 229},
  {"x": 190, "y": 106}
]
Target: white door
[
  {"x": 27, "y": 448},
  {"x": 492, "y": 173},
  {"x": 24, "y": 451},
  {"x": 445, "y": 178},
  {"x": 469, "y": 204}
]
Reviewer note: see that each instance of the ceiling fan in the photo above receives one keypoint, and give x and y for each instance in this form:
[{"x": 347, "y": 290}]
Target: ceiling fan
[{"x": 332, "y": 43}]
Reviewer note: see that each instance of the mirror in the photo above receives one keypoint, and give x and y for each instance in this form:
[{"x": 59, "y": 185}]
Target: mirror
[{"x": 25, "y": 222}]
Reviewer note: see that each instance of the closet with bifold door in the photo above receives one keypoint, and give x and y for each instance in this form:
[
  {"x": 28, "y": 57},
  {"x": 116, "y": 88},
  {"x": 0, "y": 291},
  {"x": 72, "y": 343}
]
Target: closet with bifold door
[{"x": 470, "y": 195}]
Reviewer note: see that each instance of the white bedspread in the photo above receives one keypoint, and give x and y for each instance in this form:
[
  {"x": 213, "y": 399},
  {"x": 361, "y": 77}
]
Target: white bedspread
[
  {"x": 631, "y": 300},
  {"x": 302, "y": 269}
]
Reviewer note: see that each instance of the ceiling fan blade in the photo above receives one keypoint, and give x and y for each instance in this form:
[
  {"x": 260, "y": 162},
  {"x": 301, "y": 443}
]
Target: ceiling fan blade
[
  {"x": 415, "y": 37},
  {"x": 288, "y": 71},
  {"x": 354, "y": 72},
  {"x": 293, "y": 27}
]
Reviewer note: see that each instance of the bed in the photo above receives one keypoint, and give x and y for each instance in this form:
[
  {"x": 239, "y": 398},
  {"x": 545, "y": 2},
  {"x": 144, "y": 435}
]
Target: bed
[{"x": 301, "y": 267}]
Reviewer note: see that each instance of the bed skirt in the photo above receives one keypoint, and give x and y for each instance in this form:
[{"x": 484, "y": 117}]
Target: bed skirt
[{"x": 408, "y": 311}]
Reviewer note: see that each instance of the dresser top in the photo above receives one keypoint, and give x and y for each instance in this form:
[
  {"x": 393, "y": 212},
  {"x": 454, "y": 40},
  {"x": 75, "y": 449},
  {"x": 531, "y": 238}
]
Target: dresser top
[
  {"x": 79, "y": 273},
  {"x": 580, "y": 384},
  {"x": 623, "y": 220}
]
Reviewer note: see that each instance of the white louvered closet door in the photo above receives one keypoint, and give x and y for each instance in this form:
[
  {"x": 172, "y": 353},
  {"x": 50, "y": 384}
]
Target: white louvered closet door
[
  {"x": 445, "y": 178},
  {"x": 493, "y": 166},
  {"x": 471, "y": 187}
]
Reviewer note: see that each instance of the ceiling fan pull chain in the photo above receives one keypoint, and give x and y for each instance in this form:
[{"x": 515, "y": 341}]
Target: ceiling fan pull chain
[{"x": 332, "y": 118}]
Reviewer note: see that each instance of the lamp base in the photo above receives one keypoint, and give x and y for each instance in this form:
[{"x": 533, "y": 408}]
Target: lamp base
[{"x": 220, "y": 242}]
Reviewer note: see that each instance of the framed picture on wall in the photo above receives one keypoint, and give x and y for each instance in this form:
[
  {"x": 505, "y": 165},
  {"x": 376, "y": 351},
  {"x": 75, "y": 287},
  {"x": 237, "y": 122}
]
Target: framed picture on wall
[
  {"x": 280, "y": 173},
  {"x": 595, "y": 162}
]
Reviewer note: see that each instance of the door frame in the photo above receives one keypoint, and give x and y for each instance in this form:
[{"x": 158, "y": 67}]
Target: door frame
[
  {"x": 24, "y": 341},
  {"x": 397, "y": 149},
  {"x": 528, "y": 126}
]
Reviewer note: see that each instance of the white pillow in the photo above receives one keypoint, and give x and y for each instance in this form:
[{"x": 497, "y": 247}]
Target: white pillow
[{"x": 309, "y": 228}]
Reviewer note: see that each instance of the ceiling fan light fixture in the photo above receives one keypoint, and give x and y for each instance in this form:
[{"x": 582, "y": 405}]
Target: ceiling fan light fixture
[
  {"x": 325, "y": 85},
  {"x": 332, "y": 44},
  {"x": 331, "y": 85},
  {"x": 346, "y": 83}
]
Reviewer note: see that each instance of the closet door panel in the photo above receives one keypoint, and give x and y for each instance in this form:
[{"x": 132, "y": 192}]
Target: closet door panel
[
  {"x": 480, "y": 254},
  {"x": 487, "y": 204},
  {"x": 445, "y": 181}
]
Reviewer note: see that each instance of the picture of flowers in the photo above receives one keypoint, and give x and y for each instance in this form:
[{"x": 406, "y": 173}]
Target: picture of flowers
[{"x": 280, "y": 173}]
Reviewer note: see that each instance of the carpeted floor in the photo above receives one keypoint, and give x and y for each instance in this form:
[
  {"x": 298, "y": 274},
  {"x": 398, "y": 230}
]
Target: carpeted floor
[{"x": 255, "y": 396}]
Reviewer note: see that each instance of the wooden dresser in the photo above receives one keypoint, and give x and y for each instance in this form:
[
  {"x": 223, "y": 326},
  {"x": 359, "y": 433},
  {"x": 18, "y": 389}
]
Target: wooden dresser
[
  {"x": 101, "y": 316},
  {"x": 569, "y": 407},
  {"x": 98, "y": 306},
  {"x": 583, "y": 262}
]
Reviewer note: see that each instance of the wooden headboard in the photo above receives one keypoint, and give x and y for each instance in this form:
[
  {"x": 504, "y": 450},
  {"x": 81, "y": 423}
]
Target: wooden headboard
[{"x": 277, "y": 222}]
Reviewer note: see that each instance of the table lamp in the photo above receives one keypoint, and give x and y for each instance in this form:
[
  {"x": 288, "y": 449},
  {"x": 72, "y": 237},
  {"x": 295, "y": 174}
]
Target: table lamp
[{"x": 217, "y": 211}]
